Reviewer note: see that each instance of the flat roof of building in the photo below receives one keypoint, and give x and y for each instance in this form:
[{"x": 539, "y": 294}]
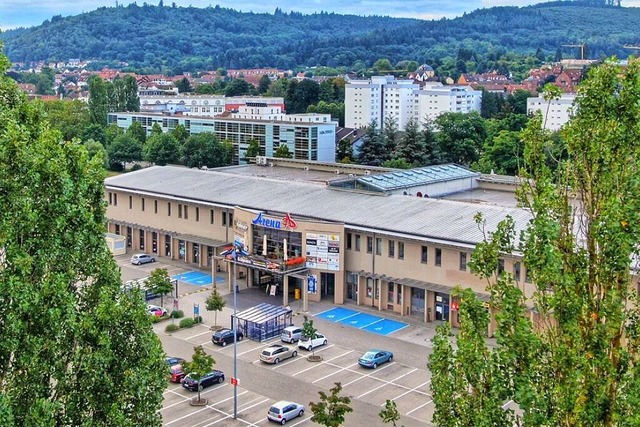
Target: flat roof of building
[{"x": 438, "y": 220}]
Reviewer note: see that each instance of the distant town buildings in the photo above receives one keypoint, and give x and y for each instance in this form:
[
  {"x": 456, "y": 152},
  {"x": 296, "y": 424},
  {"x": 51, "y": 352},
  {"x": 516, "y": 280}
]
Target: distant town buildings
[{"x": 555, "y": 112}]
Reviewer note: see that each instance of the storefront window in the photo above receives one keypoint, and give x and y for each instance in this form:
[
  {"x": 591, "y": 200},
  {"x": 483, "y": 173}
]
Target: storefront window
[
  {"x": 154, "y": 242},
  {"x": 142, "y": 239},
  {"x": 369, "y": 287},
  {"x": 275, "y": 242},
  {"x": 399, "y": 295},
  {"x": 167, "y": 245},
  {"x": 390, "y": 293},
  {"x": 182, "y": 250}
]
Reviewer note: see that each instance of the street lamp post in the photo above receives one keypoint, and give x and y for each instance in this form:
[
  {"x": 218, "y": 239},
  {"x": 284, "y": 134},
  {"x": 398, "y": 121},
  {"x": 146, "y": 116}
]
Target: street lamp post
[{"x": 235, "y": 333}]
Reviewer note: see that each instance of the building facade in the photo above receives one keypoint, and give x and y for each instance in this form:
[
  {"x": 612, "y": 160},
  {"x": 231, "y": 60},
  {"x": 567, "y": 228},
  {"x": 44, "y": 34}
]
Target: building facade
[
  {"x": 385, "y": 96},
  {"x": 392, "y": 252},
  {"x": 203, "y": 105},
  {"x": 308, "y": 136},
  {"x": 555, "y": 112}
]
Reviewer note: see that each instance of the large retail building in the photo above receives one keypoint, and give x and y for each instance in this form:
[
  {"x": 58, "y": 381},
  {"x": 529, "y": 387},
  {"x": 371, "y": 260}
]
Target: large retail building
[{"x": 391, "y": 239}]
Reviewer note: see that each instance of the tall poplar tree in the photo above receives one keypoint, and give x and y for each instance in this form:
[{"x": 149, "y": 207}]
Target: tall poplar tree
[
  {"x": 74, "y": 349},
  {"x": 579, "y": 365}
]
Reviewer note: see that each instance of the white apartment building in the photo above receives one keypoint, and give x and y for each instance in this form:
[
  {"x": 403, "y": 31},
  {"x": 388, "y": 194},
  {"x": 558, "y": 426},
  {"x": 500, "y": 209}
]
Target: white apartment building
[
  {"x": 202, "y": 105},
  {"x": 555, "y": 112},
  {"x": 437, "y": 99},
  {"x": 383, "y": 96}
]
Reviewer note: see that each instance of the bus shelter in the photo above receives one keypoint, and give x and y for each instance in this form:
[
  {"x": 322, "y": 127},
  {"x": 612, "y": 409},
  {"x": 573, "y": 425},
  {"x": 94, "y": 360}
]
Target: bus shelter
[{"x": 263, "y": 321}]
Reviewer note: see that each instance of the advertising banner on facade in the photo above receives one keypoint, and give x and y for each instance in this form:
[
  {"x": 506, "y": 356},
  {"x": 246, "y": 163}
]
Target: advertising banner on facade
[
  {"x": 323, "y": 251},
  {"x": 312, "y": 283}
]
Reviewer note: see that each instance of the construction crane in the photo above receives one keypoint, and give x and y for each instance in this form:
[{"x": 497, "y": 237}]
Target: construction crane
[
  {"x": 581, "y": 46},
  {"x": 632, "y": 46}
]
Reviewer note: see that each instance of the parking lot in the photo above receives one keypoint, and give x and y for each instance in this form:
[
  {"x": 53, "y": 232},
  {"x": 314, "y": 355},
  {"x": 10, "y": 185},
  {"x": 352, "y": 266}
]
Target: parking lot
[{"x": 407, "y": 386}]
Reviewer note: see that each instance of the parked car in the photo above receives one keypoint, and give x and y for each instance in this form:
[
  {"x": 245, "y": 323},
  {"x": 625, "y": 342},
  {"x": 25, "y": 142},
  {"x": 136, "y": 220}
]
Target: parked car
[
  {"x": 156, "y": 310},
  {"x": 138, "y": 259},
  {"x": 291, "y": 334},
  {"x": 225, "y": 336},
  {"x": 373, "y": 358},
  {"x": 173, "y": 360},
  {"x": 283, "y": 411},
  {"x": 277, "y": 353},
  {"x": 309, "y": 344},
  {"x": 210, "y": 378},
  {"x": 176, "y": 373}
]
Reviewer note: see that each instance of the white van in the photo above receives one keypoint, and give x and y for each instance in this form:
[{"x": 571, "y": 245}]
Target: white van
[{"x": 291, "y": 334}]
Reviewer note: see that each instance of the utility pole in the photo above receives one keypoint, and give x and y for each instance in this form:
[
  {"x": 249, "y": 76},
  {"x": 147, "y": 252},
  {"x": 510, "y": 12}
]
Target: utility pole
[{"x": 581, "y": 46}]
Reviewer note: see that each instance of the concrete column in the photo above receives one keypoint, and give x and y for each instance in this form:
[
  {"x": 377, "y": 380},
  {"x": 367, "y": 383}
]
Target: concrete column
[
  {"x": 402, "y": 309},
  {"x": 359, "y": 287},
  {"x": 229, "y": 271},
  {"x": 426, "y": 305},
  {"x": 380, "y": 293},
  {"x": 214, "y": 267},
  {"x": 305, "y": 297},
  {"x": 285, "y": 290}
]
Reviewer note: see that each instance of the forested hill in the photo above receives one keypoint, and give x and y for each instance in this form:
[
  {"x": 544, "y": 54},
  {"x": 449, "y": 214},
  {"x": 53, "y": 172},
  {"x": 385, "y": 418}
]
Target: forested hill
[{"x": 169, "y": 38}]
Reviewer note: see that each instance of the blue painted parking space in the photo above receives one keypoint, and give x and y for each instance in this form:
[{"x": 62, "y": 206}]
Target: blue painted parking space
[
  {"x": 336, "y": 314},
  {"x": 197, "y": 278},
  {"x": 360, "y": 320},
  {"x": 385, "y": 326},
  {"x": 366, "y": 322}
]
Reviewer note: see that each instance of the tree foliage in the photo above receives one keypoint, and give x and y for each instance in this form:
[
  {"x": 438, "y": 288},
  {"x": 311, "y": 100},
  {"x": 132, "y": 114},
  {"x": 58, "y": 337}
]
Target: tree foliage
[
  {"x": 331, "y": 410},
  {"x": 161, "y": 149},
  {"x": 215, "y": 303},
  {"x": 204, "y": 149},
  {"x": 201, "y": 364},
  {"x": 309, "y": 331},
  {"x": 159, "y": 283},
  {"x": 578, "y": 365},
  {"x": 68, "y": 332}
]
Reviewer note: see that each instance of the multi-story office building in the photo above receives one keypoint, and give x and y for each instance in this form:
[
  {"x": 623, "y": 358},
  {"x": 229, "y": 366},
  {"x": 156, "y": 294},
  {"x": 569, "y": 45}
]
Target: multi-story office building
[
  {"x": 308, "y": 136},
  {"x": 385, "y": 96},
  {"x": 203, "y": 105},
  {"x": 366, "y": 237},
  {"x": 555, "y": 112}
]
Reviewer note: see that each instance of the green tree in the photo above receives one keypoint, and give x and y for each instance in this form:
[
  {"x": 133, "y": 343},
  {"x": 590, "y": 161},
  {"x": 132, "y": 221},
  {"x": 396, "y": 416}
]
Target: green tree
[
  {"x": 156, "y": 129},
  {"x": 344, "y": 151},
  {"x": 283, "y": 152},
  {"x": 201, "y": 364},
  {"x": 460, "y": 136},
  {"x": 159, "y": 283},
  {"x": 203, "y": 149},
  {"x": 94, "y": 148},
  {"x": 253, "y": 150},
  {"x": 94, "y": 132},
  {"x": 390, "y": 413},
  {"x": 389, "y": 136},
  {"x": 161, "y": 149},
  {"x": 503, "y": 155},
  {"x": 184, "y": 85},
  {"x": 517, "y": 101},
  {"x": 238, "y": 87},
  {"x": 309, "y": 331},
  {"x": 335, "y": 109},
  {"x": 124, "y": 149},
  {"x": 371, "y": 150},
  {"x": 215, "y": 303},
  {"x": 397, "y": 164},
  {"x": 180, "y": 133},
  {"x": 70, "y": 117},
  {"x": 411, "y": 147},
  {"x": 382, "y": 65},
  {"x": 138, "y": 132},
  {"x": 68, "y": 332},
  {"x": 550, "y": 92},
  {"x": 278, "y": 88},
  {"x": 264, "y": 84},
  {"x": 578, "y": 365},
  {"x": 331, "y": 410},
  {"x": 98, "y": 101},
  {"x": 111, "y": 132}
]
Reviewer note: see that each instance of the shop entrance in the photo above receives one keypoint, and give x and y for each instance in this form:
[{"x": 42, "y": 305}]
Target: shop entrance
[
  {"x": 442, "y": 306},
  {"x": 417, "y": 301},
  {"x": 352, "y": 292},
  {"x": 328, "y": 284}
]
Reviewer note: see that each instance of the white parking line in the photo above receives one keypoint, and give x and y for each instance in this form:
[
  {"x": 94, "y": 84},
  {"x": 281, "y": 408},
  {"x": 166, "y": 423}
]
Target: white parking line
[
  {"x": 208, "y": 331},
  {"x": 181, "y": 402},
  {"x": 372, "y": 323},
  {"x": 203, "y": 409},
  {"x": 333, "y": 373},
  {"x": 392, "y": 382},
  {"x": 409, "y": 389},
  {"x": 371, "y": 373},
  {"x": 412, "y": 389},
  {"x": 300, "y": 422},
  {"x": 239, "y": 409},
  {"x": 418, "y": 407},
  {"x": 323, "y": 363},
  {"x": 343, "y": 318},
  {"x": 265, "y": 344},
  {"x": 298, "y": 358}
]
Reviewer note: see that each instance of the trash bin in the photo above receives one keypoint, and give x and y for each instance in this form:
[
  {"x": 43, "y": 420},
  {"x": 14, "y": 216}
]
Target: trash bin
[{"x": 296, "y": 293}]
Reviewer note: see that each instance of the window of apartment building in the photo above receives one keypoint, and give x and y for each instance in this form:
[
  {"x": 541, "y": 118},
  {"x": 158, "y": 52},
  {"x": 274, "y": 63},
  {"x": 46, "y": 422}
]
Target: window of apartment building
[
  {"x": 348, "y": 241},
  {"x": 424, "y": 254},
  {"x": 115, "y": 199},
  {"x": 224, "y": 218},
  {"x": 169, "y": 208},
  {"x": 357, "y": 242},
  {"x": 438, "y": 260},
  {"x": 369, "y": 244},
  {"x": 186, "y": 212},
  {"x": 400, "y": 250},
  {"x": 130, "y": 202},
  {"x": 179, "y": 210},
  {"x": 378, "y": 246},
  {"x": 516, "y": 271},
  {"x": 197, "y": 214},
  {"x": 110, "y": 198},
  {"x": 500, "y": 266},
  {"x": 392, "y": 248},
  {"x": 230, "y": 219},
  {"x": 155, "y": 206},
  {"x": 463, "y": 261},
  {"x": 117, "y": 229},
  {"x": 142, "y": 204},
  {"x": 211, "y": 215}
]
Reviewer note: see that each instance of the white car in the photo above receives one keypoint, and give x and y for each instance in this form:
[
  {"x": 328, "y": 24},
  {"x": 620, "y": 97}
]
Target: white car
[
  {"x": 310, "y": 344},
  {"x": 283, "y": 411},
  {"x": 156, "y": 310},
  {"x": 139, "y": 259}
]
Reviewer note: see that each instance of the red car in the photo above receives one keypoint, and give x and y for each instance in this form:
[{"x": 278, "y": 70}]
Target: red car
[{"x": 176, "y": 373}]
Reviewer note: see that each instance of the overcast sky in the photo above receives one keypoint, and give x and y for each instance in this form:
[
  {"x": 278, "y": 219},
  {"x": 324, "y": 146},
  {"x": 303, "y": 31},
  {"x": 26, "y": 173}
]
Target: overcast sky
[{"x": 28, "y": 13}]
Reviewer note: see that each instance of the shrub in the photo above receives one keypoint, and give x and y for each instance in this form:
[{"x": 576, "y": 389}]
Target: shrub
[
  {"x": 177, "y": 314},
  {"x": 171, "y": 327},
  {"x": 197, "y": 319},
  {"x": 187, "y": 322},
  {"x": 136, "y": 167}
]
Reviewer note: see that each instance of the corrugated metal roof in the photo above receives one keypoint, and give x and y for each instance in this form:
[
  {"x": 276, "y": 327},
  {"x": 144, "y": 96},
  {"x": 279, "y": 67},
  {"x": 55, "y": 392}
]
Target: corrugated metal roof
[{"x": 414, "y": 216}]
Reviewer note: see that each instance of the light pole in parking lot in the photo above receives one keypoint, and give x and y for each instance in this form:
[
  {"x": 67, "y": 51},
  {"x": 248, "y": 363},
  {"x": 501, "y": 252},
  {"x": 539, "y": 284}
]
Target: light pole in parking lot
[{"x": 235, "y": 332}]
